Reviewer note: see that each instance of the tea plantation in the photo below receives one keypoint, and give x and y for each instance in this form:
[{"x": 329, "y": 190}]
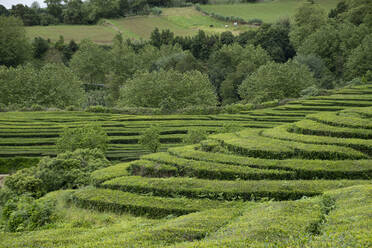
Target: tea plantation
[{"x": 298, "y": 175}]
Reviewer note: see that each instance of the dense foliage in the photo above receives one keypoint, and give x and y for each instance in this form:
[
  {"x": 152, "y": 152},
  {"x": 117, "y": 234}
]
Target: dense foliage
[
  {"x": 275, "y": 81},
  {"x": 14, "y": 47},
  {"x": 168, "y": 89},
  {"x": 169, "y": 73},
  {"x": 67, "y": 170},
  {"x": 54, "y": 85},
  {"x": 86, "y": 137}
]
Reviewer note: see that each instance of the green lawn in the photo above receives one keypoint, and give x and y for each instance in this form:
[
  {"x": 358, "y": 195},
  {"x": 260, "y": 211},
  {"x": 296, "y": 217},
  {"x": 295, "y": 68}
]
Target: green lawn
[{"x": 267, "y": 11}]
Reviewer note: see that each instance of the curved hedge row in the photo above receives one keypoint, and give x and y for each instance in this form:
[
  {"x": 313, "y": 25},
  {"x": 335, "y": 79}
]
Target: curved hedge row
[
  {"x": 250, "y": 143},
  {"x": 284, "y": 133},
  {"x": 316, "y": 128},
  {"x": 226, "y": 190},
  {"x": 305, "y": 169},
  {"x": 151, "y": 206}
]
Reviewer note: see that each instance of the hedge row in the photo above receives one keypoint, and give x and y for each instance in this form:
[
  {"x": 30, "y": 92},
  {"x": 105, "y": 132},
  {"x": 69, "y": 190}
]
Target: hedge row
[
  {"x": 336, "y": 103},
  {"x": 189, "y": 227},
  {"x": 363, "y": 112},
  {"x": 250, "y": 143},
  {"x": 284, "y": 132},
  {"x": 299, "y": 107},
  {"x": 270, "y": 224},
  {"x": 151, "y": 206},
  {"x": 296, "y": 223},
  {"x": 334, "y": 119},
  {"x": 315, "y": 128},
  {"x": 225, "y": 190},
  {"x": 110, "y": 172},
  {"x": 305, "y": 169},
  {"x": 151, "y": 169},
  {"x": 341, "y": 97},
  {"x": 214, "y": 170}
]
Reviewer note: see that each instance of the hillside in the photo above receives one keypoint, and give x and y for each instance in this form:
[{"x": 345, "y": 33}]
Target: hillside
[
  {"x": 316, "y": 173},
  {"x": 181, "y": 21}
]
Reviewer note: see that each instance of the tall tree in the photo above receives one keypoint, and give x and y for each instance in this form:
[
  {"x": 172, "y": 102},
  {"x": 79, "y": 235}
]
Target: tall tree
[
  {"x": 15, "y": 48},
  {"x": 90, "y": 63}
]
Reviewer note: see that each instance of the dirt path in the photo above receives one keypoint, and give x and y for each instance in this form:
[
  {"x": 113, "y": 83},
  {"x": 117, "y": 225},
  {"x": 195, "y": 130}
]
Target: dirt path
[{"x": 110, "y": 24}]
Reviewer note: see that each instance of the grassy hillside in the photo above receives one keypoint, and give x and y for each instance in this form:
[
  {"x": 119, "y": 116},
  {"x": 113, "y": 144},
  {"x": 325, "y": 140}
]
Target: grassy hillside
[
  {"x": 268, "y": 11},
  {"x": 306, "y": 183},
  {"x": 181, "y": 21}
]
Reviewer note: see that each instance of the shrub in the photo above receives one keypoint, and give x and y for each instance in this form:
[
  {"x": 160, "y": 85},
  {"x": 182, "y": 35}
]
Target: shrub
[
  {"x": 90, "y": 136},
  {"x": 194, "y": 136},
  {"x": 26, "y": 214},
  {"x": 67, "y": 170},
  {"x": 40, "y": 47},
  {"x": 36, "y": 107},
  {"x": 97, "y": 109},
  {"x": 150, "y": 139},
  {"x": 156, "y": 11},
  {"x": 237, "y": 108}
]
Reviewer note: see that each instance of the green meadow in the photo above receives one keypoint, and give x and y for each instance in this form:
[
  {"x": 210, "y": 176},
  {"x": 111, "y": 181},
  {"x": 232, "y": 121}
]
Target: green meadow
[{"x": 267, "y": 11}]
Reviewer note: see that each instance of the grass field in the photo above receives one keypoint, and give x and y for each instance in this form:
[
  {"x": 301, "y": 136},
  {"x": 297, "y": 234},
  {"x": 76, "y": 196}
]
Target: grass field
[
  {"x": 267, "y": 11},
  {"x": 181, "y": 21}
]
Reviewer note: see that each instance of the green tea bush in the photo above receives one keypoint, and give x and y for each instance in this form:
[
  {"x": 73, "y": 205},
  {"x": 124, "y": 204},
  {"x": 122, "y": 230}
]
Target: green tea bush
[{"x": 90, "y": 136}]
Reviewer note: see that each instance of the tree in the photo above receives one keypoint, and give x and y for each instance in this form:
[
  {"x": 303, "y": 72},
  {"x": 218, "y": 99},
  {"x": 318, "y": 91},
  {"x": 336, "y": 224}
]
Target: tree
[
  {"x": 74, "y": 12},
  {"x": 222, "y": 62},
  {"x": 274, "y": 38},
  {"x": 359, "y": 62},
  {"x": 159, "y": 88},
  {"x": 40, "y": 46},
  {"x": 275, "y": 81},
  {"x": 55, "y": 8},
  {"x": 4, "y": 11},
  {"x": 307, "y": 20},
  {"x": 150, "y": 139},
  {"x": 227, "y": 38},
  {"x": 90, "y": 62},
  {"x": 333, "y": 43},
  {"x": 252, "y": 59},
  {"x": 54, "y": 85},
  {"x": 15, "y": 48},
  {"x": 90, "y": 136},
  {"x": 316, "y": 65}
]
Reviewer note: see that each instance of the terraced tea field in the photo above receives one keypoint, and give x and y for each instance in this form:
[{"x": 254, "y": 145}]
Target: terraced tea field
[
  {"x": 27, "y": 136},
  {"x": 306, "y": 183}
]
